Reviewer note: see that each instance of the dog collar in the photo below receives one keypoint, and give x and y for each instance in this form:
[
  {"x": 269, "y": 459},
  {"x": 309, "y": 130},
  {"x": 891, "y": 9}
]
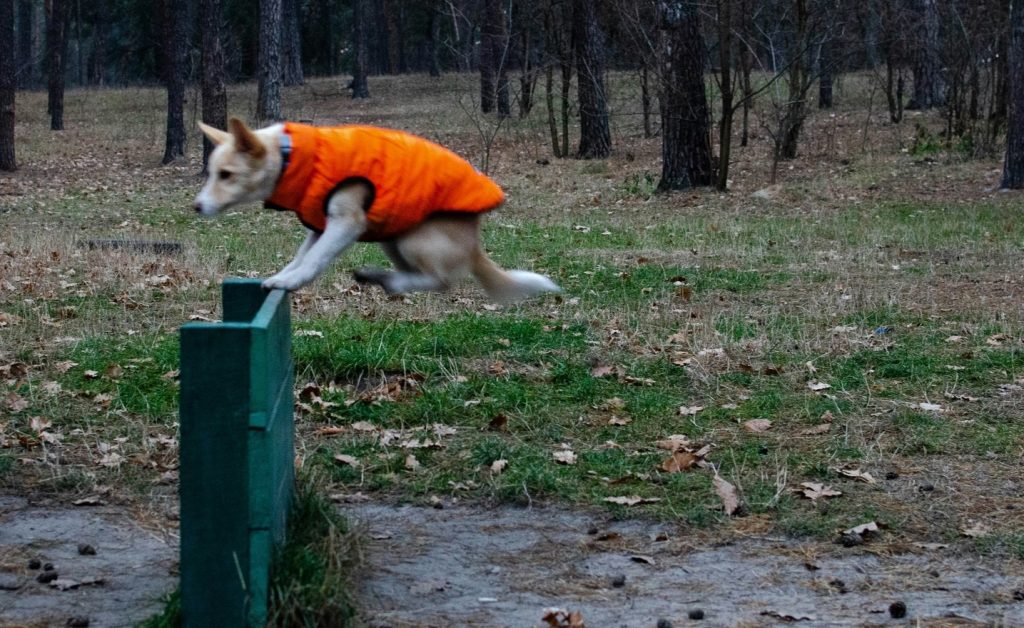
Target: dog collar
[{"x": 286, "y": 152}]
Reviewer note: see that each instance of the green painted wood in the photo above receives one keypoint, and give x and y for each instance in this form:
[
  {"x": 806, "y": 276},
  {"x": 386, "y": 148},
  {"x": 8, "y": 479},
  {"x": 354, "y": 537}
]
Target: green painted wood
[{"x": 237, "y": 467}]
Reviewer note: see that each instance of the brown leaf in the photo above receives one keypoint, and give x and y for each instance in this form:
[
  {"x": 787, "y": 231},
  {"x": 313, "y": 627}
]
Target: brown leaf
[
  {"x": 638, "y": 381},
  {"x": 497, "y": 368},
  {"x": 816, "y": 385},
  {"x": 498, "y": 424},
  {"x": 309, "y": 391},
  {"x": 39, "y": 424},
  {"x": 559, "y": 618},
  {"x": 411, "y": 463},
  {"x": 674, "y": 442},
  {"x": 114, "y": 371},
  {"x": 689, "y": 410},
  {"x": 757, "y": 425},
  {"x": 15, "y": 402},
  {"x": 50, "y": 387},
  {"x": 814, "y": 490},
  {"x": 619, "y": 420},
  {"x": 607, "y": 371},
  {"x": 64, "y": 366},
  {"x": 976, "y": 530},
  {"x": 822, "y": 428},
  {"x": 330, "y": 430},
  {"x": 498, "y": 466},
  {"x": 857, "y": 474},
  {"x": 614, "y": 404},
  {"x": 364, "y": 426},
  {"x": 345, "y": 459},
  {"x": 727, "y": 493},
  {"x": 864, "y": 529},
  {"x": 680, "y": 461}
]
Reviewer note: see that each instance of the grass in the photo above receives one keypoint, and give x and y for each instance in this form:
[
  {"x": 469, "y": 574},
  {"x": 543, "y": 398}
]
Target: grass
[{"x": 857, "y": 275}]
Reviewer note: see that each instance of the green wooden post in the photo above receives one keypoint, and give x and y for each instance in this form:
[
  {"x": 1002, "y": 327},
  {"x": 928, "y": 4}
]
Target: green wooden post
[{"x": 237, "y": 466}]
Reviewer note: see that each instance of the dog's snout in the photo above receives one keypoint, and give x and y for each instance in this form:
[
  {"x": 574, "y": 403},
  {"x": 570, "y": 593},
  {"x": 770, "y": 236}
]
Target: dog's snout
[{"x": 198, "y": 208}]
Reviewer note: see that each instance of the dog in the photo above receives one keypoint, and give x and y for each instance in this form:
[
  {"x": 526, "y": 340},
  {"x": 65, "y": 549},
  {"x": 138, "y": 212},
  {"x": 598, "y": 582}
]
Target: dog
[{"x": 421, "y": 202}]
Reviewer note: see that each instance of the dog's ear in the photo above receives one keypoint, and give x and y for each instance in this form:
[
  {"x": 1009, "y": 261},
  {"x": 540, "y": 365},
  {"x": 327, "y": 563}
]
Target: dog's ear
[
  {"x": 214, "y": 135},
  {"x": 245, "y": 140}
]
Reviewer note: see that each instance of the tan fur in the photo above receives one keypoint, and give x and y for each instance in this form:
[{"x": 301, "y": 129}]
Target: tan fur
[{"x": 244, "y": 167}]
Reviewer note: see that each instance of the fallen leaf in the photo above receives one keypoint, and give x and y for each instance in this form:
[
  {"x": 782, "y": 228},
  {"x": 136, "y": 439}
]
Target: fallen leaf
[
  {"x": 564, "y": 456},
  {"x": 638, "y": 381},
  {"x": 632, "y": 501},
  {"x": 857, "y": 474},
  {"x": 976, "y": 530},
  {"x": 641, "y": 558},
  {"x": 674, "y": 442},
  {"x": 727, "y": 493},
  {"x": 330, "y": 430},
  {"x": 39, "y": 424},
  {"x": 614, "y": 404},
  {"x": 498, "y": 466},
  {"x": 814, "y": 490},
  {"x": 757, "y": 425},
  {"x": 15, "y": 402},
  {"x": 497, "y": 368},
  {"x": 930, "y": 407},
  {"x": 51, "y": 387},
  {"x": 680, "y": 461},
  {"x": 411, "y": 463},
  {"x": 91, "y": 374},
  {"x": 605, "y": 371},
  {"x": 498, "y": 424},
  {"x": 816, "y": 385},
  {"x": 345, "y": 459},
  {"x": 822, "y": 428},
  {"x": 619, "y": 420},
  {"x": 364, "y": 426},
  {"x": 689, "y": 410},
  {"x": 864, "y": 529},
  {"x": 114, "y": 371},
  {"x": 112, "y": 460},
  {"x": 560, "y": 618}
]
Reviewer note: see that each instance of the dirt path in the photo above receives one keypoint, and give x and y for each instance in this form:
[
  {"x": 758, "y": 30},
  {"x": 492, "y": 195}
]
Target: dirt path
[
  {"x": 504, "y": 566},
  {"x": 133, "y": 564}
]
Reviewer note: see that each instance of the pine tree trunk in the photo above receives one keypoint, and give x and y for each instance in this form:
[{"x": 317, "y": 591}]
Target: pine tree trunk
[
  {"x": 8, "y": 84},
  {"x": 393, "y": 32},
  {"x": 175, "y": 45},
  {"x": 797, "y": 86},
  {"x": 928, "y": 87},
  {"x": 24, "y": 59},
  {"x": 268, "y": 90},
  {"x": 292, "y": 43},
  {"x": 56, "y": 55},
  {"x": 595, "y": 135},
  {"x": 97, "y": 65},
  {"x": 215, "y": 98},
  {"x": 685, "y": 119},
  {"x": 1013, "y": 167},
  {"x": 360, "y": 88}
]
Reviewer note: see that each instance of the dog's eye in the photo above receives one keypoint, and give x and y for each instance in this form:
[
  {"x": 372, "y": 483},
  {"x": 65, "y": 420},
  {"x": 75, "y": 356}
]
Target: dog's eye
[{"x": 224, "y": 175}]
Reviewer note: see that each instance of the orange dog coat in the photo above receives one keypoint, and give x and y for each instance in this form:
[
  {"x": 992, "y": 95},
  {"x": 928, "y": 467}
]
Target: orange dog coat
[{"x": 411, "y": 177}]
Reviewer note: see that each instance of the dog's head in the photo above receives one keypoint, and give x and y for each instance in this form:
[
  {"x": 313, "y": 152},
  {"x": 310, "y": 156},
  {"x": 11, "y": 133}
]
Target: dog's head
[{"x": 239, "y": 171}]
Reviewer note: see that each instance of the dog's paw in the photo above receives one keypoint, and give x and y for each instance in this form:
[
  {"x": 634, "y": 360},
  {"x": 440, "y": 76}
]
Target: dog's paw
[{"x": 284, "y": 281}]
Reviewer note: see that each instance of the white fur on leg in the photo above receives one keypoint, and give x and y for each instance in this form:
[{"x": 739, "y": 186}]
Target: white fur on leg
[{"x": 526, "y": 285}]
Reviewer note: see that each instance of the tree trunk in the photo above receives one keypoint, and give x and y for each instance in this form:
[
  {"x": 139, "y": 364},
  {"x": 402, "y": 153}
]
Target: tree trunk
[
  {"x": 80, "y": 69},
  {"x": 796, "y": 106},
  {"x": 528, "y": 68},
  {"x": 24, "y": 62},
  {"x": 360, "y": 88},
  {"x": 215, "y": 98},
  {"x": 746, "y": 63},
  {"x": 726, "y": 87},
  {"x": 928, "y": 87},
  {"x": 268, "y": 96},
  {"x": 176, "y": 47},
  {"x": 434, "y": 39},
  {"x": 494, "y": 59},
  {"x": 588, "y": 40},
  {"x": 56, "y": 55},
  {"x": 685, "y": 143},
  {"x": 8, "y": 83},
  {"x": 645, "y": 100},
  {"x": 291, "y": 73},
  {"x": 97, "y": 65},
  {"x": 825, "y": 77},
  {"x": 549, "y": 97},
  {"x": 1013, "y": 167},
  {"x": 393, "y": 32}
]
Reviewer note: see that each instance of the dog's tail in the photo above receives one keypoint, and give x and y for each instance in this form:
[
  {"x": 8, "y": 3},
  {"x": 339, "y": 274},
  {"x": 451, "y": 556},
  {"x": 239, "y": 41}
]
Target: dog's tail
[{"x": 508, "y": 286}]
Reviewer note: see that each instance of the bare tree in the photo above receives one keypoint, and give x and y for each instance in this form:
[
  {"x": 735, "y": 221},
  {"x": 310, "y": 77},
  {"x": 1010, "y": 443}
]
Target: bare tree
[
  {"x": 215, "y": 99},
  {"x": 291, "y": 70},
  {"x": 360, "y": 88},
  {"x": 1013, "y": 166},
  {"x": 175, "y": 22},
  {"x": 434, "y": 38},
  {"x": 7, "y": 85},
  {"x": 56, "y": 59},
  {"x": 685, "y": 119},
  {"x": 268, "y": 96},
  {"x": 588, "y": 41},
  {"x": 25, "y": 62}
]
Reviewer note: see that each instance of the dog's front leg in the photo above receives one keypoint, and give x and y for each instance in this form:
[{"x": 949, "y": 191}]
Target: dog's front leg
[
  {"x": 311, "y": 238},
  {"x": 346, "y": 221}
]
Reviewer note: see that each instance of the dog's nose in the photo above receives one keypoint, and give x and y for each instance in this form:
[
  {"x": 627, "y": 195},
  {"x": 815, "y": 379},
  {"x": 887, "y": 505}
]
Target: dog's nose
[{"x": 198, "y": 208}]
